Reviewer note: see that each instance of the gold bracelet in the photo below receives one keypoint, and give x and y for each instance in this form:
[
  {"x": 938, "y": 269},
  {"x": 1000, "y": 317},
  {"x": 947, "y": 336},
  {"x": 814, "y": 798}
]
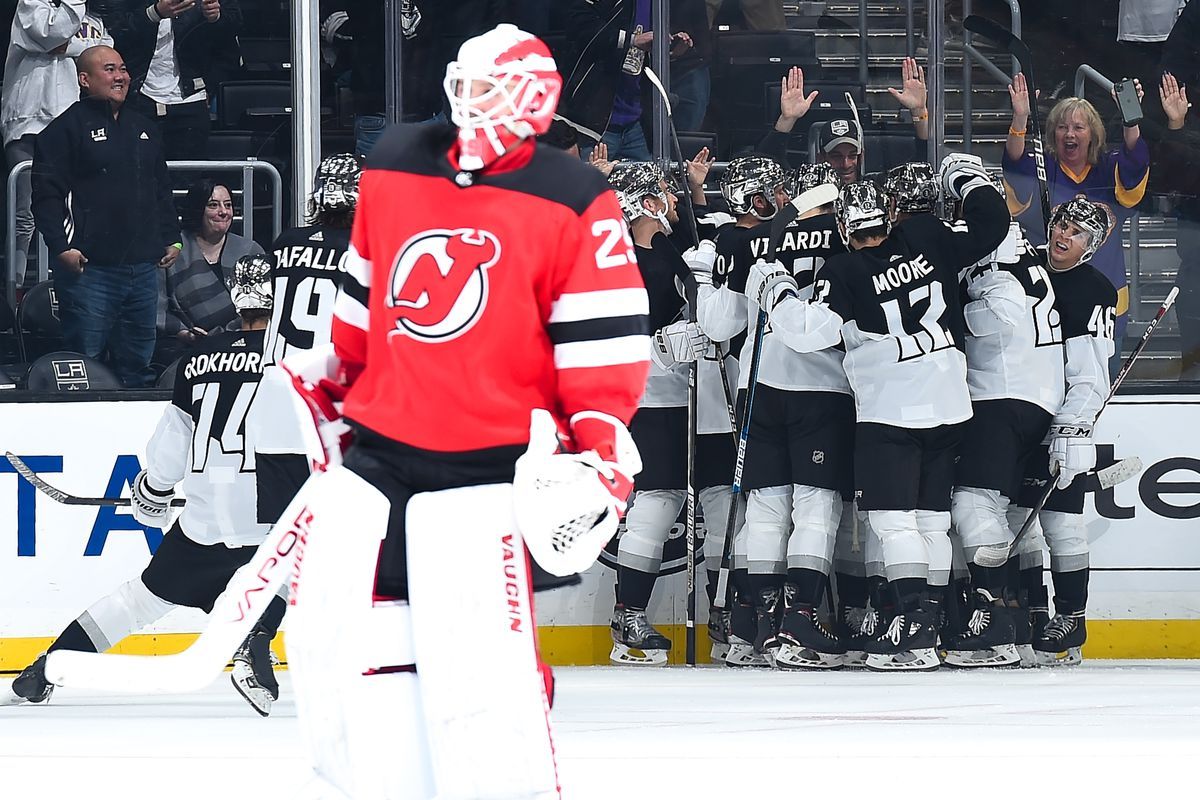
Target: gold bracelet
[{"x": 1014, "y": 132}]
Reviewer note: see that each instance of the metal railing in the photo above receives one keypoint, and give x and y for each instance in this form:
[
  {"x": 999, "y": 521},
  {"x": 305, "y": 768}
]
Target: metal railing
[
  {"x": 970, "y": 53},
  {"x": 247, "y": 168},
  {"x": 1085, "y": 74}
]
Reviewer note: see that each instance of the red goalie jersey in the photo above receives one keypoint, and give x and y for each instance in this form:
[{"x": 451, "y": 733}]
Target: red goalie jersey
[{"x": 472, "y": 298}]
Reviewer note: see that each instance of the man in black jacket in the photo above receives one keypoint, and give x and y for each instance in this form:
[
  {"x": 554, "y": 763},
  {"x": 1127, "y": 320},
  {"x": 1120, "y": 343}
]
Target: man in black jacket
[
  {"x": 102, "y": 200},
  {"x": 179, "y": 51}
]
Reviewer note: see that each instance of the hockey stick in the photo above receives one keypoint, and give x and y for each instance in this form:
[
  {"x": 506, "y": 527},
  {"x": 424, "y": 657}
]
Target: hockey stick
[
  {"x": 997, "y": 556},
  {"x": 1016, "y": 48},
  {"x": 233, "y": 616},
  {"x": 65, "y": 498},
  {"x": 784, "y": 217}
]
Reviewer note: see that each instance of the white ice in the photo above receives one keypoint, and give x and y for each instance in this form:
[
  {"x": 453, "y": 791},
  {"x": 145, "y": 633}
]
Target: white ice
[{"x": 1104, "y": 729}]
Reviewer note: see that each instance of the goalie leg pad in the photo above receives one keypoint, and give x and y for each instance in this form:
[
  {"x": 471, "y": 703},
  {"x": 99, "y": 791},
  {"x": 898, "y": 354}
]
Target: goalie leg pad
[
  {"x": 815, "y": 517},
  {"x": 905, "y": 551},
  {"x": 768, "y": 519},
  {"x": 131, "y": 607},
  {"x": 647, "y": 527},
  {"x": 352, "y": 661},
  {"x": 487, "y": 719}
]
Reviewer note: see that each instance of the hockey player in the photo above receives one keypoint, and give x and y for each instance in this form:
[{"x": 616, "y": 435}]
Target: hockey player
[
  {"x": 1086, "y": 304},
  {"x": 197, "y": 442},
  {"x": 893, "y": 303},
  {"x": 1015, "y": 374},
  {"x": 660, "y": 426},
  {"x": 491, "y": 292}
]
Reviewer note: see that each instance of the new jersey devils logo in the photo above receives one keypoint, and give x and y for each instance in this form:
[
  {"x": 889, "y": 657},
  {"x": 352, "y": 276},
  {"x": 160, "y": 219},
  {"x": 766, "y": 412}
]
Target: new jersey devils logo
[{"x": 439, "y": 283}]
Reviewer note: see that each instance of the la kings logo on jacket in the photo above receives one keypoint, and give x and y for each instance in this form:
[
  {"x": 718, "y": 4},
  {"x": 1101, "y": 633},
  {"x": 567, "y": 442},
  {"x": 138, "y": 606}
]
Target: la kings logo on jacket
[{"x": 439, "y": 282}]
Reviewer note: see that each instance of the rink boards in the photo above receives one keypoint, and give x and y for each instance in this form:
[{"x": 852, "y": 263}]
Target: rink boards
[{"x": 55, "y": 559}]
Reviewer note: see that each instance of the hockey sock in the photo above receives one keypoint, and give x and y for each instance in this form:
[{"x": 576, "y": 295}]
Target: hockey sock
[
  {"x": 809, "y": 585},
  {"x": 74, "y": 638},
  {"x": 851, "y": 590},
  {"x": 990, "y": 579},
  {"x": 1033, "y": 588},
  {"x": 1070, "y": 591},
  {"x": 272, "y": 618},
  {"x": 908, "y": 593},
  {"x": 634, "y": 587},
  {"x": 710, "y": 588},
  {"x": 758, "y": 584}
]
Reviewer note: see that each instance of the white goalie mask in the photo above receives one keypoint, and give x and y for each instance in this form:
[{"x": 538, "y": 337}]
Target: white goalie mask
[{"x": 250, "y": 288}]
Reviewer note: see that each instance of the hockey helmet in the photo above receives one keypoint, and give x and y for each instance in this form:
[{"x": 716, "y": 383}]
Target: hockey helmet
[
  {"x": 813, "y": 186},
  {"x": 1095, "y": 219},
  {"x": 860, "y": 206},
  {"x": 503, "y": 88},
  {"x": 633, "y": 181},
  {"x": 250, "y": 287},
  {"x": 750, "y": 176},
  {"x": 913, "y": 187},
  {"x": 335, "y": 186}
]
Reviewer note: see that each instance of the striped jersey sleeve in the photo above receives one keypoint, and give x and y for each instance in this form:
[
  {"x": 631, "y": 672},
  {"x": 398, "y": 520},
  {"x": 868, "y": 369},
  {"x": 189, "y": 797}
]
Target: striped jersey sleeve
[{"x": 351, "y": 318}]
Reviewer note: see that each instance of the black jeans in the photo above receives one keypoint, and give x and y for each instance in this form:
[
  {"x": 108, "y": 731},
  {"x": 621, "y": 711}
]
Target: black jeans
[{"x": 185, "y": 127}]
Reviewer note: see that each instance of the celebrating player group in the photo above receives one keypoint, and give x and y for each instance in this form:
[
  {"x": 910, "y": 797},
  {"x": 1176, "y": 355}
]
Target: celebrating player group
[{"x": 481, "y": 350}]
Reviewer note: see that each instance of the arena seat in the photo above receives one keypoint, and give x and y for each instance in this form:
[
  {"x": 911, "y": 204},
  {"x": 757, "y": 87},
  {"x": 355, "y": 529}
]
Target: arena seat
[
  {"x": 38, "y": 326},
  {"x": 64, "y": 371}
]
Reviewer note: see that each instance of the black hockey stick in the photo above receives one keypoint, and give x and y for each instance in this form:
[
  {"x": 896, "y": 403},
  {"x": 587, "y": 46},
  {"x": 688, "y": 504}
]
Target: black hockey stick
[
  {"x": 66, "y": 498},
  {"x": 1020, "y": 51},
  {"x": 999, "y": 558},
  {"x": 784, "y": 217}
]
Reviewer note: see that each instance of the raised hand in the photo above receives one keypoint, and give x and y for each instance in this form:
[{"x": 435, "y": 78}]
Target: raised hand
[
  {"x": 793, "y": 103},
  {"x": 1018, "y": 93},
  {"x": 599, "y": 159},
  {"x": 912, "y": 93},
  {"x": 1174, "y": 101},
  {"x": 698, "y": 167}
]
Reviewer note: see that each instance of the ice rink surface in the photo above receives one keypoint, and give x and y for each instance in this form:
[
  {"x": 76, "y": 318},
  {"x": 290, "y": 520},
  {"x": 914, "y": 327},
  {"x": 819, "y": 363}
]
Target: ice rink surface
[{"x": 1104, "y": 729}]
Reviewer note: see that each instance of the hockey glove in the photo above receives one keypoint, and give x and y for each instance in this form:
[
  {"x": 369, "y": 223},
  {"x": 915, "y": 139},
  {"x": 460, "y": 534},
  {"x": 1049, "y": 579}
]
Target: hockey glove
[
  {"x": 320, "y": 382},
  {"x": 151, "y": 505},
  {"x": 679, "y": 343},
  {"x": 961, "y": 173},
  {"x": 1072, "y": 452},
  {"x": 567, "y": 505},
  {"x": 700, "y": 261},
  {"x": 768, "y": 283}
]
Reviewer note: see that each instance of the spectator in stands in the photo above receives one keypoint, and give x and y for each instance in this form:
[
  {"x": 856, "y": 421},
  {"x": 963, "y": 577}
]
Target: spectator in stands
[
  {"x": 178, "y": 50},
  {"x": 1077, "y": 162},
  {"x": 195, "y": 300},
  {"x": 562, "y": 137},
  {"x": 691, "y": 82},
  {"x": 1179, "y": 153},
  {"x": 839, "y": 141},
  {"x": 102, "y": 166},
  {"x": 603, "y": 95},
  {"x": 760, "y": 15},
  {"x": 40, "y": 82}
]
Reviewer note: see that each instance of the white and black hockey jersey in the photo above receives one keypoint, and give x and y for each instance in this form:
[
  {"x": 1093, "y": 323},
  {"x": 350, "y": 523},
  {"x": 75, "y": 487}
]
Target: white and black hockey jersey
[
  {"x": 309, "y": 263},
  {"x": 896, "y": 309},
  {"x": 1014, "y": 339},
  {"x": 200, "y": 440},
  {"x": 1087, "y": 308},
  {"x": 724, "y": 311},
  {"x": 667, "y": 388}
]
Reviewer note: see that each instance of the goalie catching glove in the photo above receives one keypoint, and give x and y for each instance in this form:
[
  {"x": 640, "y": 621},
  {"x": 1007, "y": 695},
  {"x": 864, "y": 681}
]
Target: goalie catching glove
[
  {"x": 1072, "y": 452},
  {"x": 151, "y": 505},
  {"x": 567, "y": 505}
]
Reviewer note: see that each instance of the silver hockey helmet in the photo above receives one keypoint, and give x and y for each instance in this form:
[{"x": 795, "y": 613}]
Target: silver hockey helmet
[
  {"x": 913, "y": 187},
  {"x": 750, "y": 176},
  {"x": 813, "y": 185},
  {"x": 634, "y": 181},
  {"x": 250, "y": 287},
  {"x": 335, "y": 187},
  {"x": 860, "y": 206},
  {"x": 1095, "y": 219}
]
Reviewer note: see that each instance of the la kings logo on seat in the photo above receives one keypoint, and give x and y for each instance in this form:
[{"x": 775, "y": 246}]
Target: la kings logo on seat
[{"x": 439, "y": 282}]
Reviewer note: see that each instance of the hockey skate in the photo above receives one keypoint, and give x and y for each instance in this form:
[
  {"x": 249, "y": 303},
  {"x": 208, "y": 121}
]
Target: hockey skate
[
  {"x": 254, "y": 672},
  {"x": 30, "y": 686},
  {"x": 1039, "y": 618},
  {"x": 742, "y": 631},
  {"x": 1060, "y": 644},
  {"x": 908, "y": 644},
  {"x": 767, "y": 612},
  {"x": 855, "y": 628},
  {"x": 718, "y": 633},
  {"x": 635, "y": 641},
  {"x": 989, "y": 639},
  {"x": 804, "y": 643}
]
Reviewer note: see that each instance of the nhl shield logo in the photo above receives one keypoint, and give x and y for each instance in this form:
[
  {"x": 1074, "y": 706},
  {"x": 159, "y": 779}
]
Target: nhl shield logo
[
  {"x": 818, "y": 456},
  {"x": 439, "y": 283}
]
